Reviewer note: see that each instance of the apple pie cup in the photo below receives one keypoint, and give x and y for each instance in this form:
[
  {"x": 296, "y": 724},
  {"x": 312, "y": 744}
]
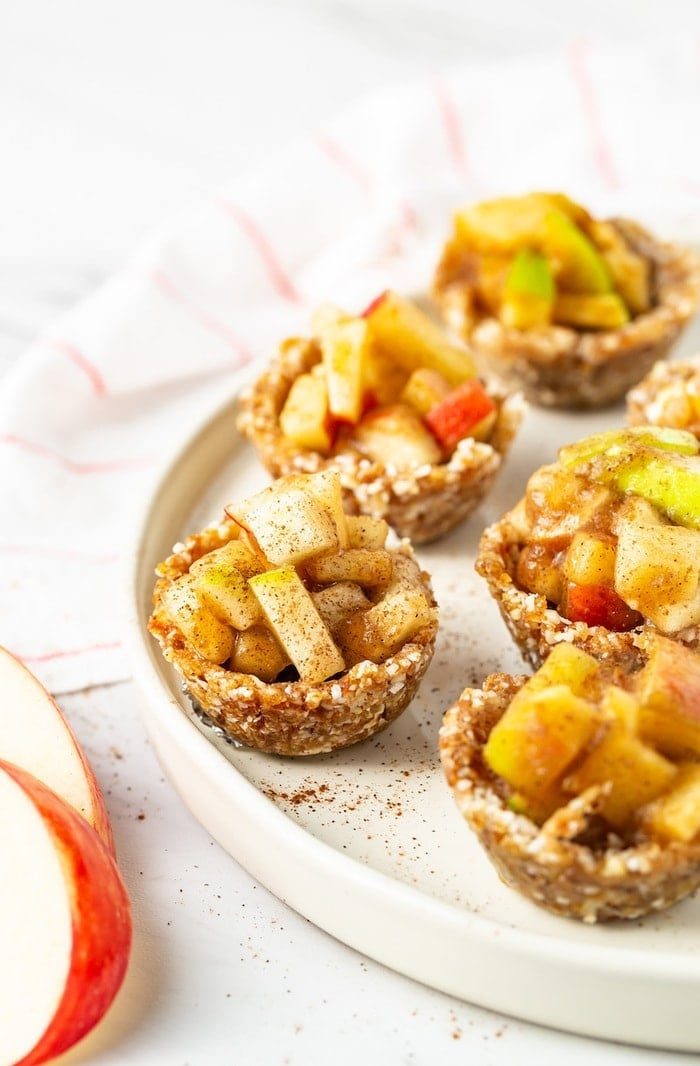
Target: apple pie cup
[
  {"x": 291, "y": 716},
  {"x": 565, "y": 367},
  {"x": 557, "y": 865},
  {"x": 421, "y": 503},
  {"x": 669, "y": 395},
  {"x": 603, "y": 548}
]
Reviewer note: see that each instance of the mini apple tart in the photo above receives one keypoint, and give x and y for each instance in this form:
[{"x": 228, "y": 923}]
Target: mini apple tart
[
  {"x": 604, "y": 545},
  {"x": 669, "y": 395},
  {"x": 295, "y": 628},
  {"x": 571, "y": 309},
  {"x": 392, "y": 405},
  {"x": 583, "y": 784}
]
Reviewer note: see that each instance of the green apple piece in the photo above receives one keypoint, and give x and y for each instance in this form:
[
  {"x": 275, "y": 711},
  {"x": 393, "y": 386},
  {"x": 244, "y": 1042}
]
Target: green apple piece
[
  {"x": 615, "y": 444},
  {"x": 528, "y": 291},
  {"x": 668, "y": 689},
  {"x": 578, "y": 265},
  {"x": 669, "y": 482},
  {"x": 292, "y": 615}
]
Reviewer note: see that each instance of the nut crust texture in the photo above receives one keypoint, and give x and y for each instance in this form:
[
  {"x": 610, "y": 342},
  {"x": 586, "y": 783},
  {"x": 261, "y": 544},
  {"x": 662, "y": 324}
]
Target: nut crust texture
[
  {"x": 556, "y": 366},
  {"x": 547, "y": 863},
  {"x": 290, "y": 718},
  {"x": 422, "y": 504},
  {"x": 536, "y": 627}
]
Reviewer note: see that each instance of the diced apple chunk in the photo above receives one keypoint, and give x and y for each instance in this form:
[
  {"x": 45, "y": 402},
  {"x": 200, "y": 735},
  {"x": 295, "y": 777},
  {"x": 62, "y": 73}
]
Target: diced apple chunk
[
  {"x": 212, "y": 638},
  {"x": 258, "y": 652},
  {"x": 413, "y": 340},
  {"x": 237, "y": 553},
  {"x": 467, "y": 411},
  {"x": 380, "y": 631},
  {"x": 292, "y": 614},
  {"x": 305, "y": 417},
  {"x": 339, "y": 601},
  {"x": 657, "y": 572},
  {"x": 344, "y": 346},
  {"x": 539, "y": 736},
  {"x": 366, "y": 531},
  {"x": 289, "y": 523},
  {"x": 590, "y": 560},
  {"x": 362, "y": 565},
  {"x": 676, "y": 815},
  {"x": 424, "y": 389},
  {"x": 226, "y": 592},
  {"x": 636, "y": 772},
  {"x": 668, "y": 689},
  {"x": 396, "y": 436}
]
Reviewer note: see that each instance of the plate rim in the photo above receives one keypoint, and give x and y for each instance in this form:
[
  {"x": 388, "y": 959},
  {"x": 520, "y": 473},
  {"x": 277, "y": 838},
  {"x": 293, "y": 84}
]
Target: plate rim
[{"x": 597, "y": 967}]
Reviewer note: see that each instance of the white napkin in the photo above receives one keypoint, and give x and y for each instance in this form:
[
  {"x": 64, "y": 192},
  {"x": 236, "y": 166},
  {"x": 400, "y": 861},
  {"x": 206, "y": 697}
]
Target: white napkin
[{"x": 92, "y": 408}]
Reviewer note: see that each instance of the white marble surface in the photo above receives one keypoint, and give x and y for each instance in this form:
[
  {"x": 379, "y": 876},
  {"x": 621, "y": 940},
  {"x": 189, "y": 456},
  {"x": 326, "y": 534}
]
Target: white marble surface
[{"x": 113, "y": 116}]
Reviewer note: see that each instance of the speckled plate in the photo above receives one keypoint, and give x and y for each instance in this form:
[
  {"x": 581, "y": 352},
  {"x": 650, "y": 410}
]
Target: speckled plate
[{"x": 367, "y": 842}]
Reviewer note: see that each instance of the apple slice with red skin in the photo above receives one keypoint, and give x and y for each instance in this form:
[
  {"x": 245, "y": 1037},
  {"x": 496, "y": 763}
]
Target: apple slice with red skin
[
  {"x": 65, "y": 923},
  {"x": 598, "y": 605},
  {"x": 463, "y": 413},
  {"x": 35, "y": 735}
]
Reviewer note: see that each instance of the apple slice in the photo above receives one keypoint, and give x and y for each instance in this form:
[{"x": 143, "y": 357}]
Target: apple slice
[
  {"x": 65, "y": 923},
  {"x": 35, "y": 735}
]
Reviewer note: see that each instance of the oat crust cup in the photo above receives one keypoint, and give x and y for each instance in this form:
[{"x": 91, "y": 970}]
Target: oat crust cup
[
  {"x": 290, "y": 717},
  {"x": 578, "y": 368},
  {"x": 421, "y": 502},
  {"x": 549, "y": 864}
]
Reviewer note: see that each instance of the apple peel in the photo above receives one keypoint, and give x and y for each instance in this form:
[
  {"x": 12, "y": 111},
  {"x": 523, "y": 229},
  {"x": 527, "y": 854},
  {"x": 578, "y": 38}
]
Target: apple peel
[{"x": 65, "y": 923}]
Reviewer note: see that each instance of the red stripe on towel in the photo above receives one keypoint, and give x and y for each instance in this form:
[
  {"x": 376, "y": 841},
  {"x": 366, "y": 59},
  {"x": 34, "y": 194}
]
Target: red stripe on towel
[
  {"x": 276, "y": 273},
  {"x": 453, "y": 131},
  {"x": 76, "y": 356},
  {"x": 207, "y": 321},
  {"x": 68, "y": 653},
  {"x": 337, "y": 155},
  {"x": 578, "y": 62},
  {"x": 107, "y": 466}
]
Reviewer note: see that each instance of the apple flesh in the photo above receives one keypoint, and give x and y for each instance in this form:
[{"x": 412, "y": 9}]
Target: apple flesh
[
  {"x": 35, "y": 736},
  {"x": 65, "y": 923}
]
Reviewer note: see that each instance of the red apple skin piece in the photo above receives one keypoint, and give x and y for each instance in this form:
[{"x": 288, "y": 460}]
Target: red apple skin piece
[
  {"x": 455, "y": 417},
  {"x": 26, "y": 688},
  {"x": 374, "y": 304},
  {"x": 598, "y": 605},
  {"x": 101, "y": 921}
]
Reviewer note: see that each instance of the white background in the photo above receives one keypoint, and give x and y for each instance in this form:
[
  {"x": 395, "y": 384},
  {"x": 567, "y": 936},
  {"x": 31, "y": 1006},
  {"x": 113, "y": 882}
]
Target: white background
[{"x": 114, "y": 115}]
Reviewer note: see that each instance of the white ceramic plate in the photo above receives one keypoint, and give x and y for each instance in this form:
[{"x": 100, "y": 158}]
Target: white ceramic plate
[{"x": 367, "y": 842}]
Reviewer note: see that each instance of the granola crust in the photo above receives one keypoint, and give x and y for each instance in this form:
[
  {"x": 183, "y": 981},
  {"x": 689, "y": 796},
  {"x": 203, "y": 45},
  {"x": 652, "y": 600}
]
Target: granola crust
[
  {"x": 645, "y": 404},
  {"x": 421, "y": 504},
  {"x": 547, "y": 863},
  {"x": 535, "y": 626},
  {"x": 561, "y": 367},
  {"x": 290, "y": 718}
]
